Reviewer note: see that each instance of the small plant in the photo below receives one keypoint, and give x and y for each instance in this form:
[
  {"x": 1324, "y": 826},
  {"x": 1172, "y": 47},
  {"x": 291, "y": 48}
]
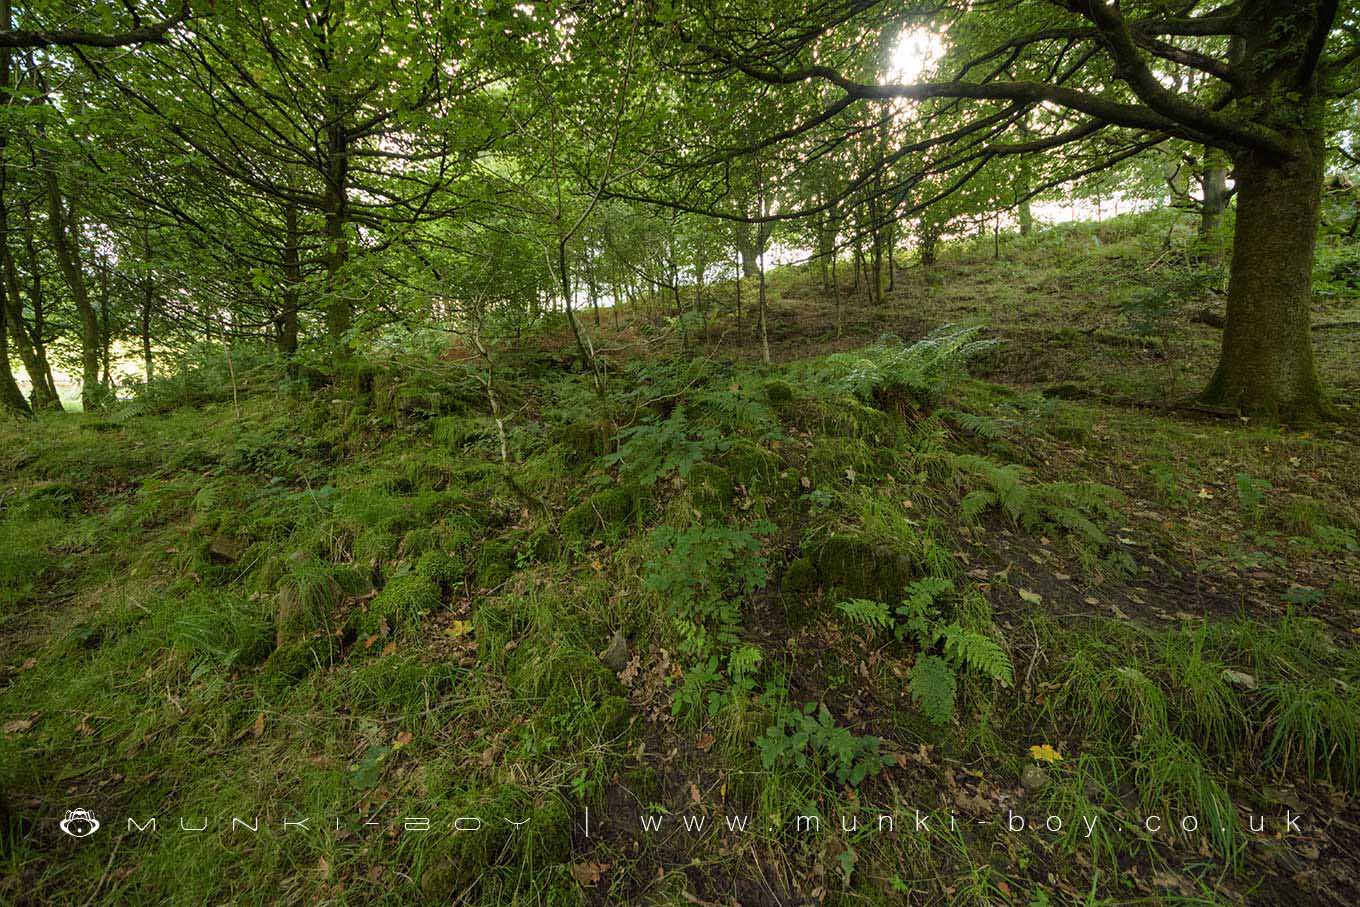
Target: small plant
[
  {"x": 1251, "y": 495},
  {"x": 946, "y": 648},
  {"x": 811, "y": 734},
  {"x": 904, "y": 379}
]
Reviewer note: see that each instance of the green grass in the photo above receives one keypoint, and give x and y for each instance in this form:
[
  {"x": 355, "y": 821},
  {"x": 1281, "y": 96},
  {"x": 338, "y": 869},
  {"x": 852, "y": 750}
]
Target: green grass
[{"x": 338, "y": 602}]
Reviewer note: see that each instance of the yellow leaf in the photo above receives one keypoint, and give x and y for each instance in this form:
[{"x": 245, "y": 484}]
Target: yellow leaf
[
  {"x": 1044, "y": 753},
  {"x": 458, "y": 628}
]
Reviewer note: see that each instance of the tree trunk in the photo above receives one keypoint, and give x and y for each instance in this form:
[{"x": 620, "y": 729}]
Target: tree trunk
[
  {"x": 11, "y": 398},
  {"x": 1214, "y": 185},
  {"x": 37, "y": 303},
  {"x": 339, "y": 309},
  {"x": 105, "y": 332},
  {"x": 1266, "y": 364},
  {"x": 62, "y": 225},
  {"x": 292, "y": 280}
]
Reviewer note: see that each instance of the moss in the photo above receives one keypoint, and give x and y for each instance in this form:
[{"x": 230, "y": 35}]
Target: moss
[
  {"x": 603, "y": 514},
  {"x": 841, "y": 461},
  {"x": 750, "y": 465},
  {"x": 295, "y": 660},
  {"x": 862, "y": 567},
  {"x": 457, "y": 862},
  {"x": 456, "y": 432},
  {"x": 257, "y": 643},
  {"x": 585, "y": 441},
  {"x": 778, "y": 393},
  {"x": 442, "y": 567},
  {"x": 495, "y": 564},
  {"x": 400, "y": 605},
  {"x": 398, "y": 683},
  {"x": 560, "y": 676},
  {"x": 710, "y": 485},
  {"x": 544, "y": 545},
  {"x": 800, "y": 576},
  {"x": 613, "y": 717}
]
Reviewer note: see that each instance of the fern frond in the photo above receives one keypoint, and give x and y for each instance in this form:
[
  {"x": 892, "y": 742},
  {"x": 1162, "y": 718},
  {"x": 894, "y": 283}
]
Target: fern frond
[
  {"x": 932, "y": 686},
  {"x": 979, "y": 652}
]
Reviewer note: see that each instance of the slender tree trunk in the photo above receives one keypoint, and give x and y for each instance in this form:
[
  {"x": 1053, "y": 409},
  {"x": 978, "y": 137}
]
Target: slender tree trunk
[
  {"x": 105, "y": 331},
  {"x": 38, "y": 304},
  {"x": 1266, "y": 364},
  {"x": 1214, "y": 185},
  {"x": 62, "y": 224},
  {"x": 11, "y": 398},
  {"x": 292, "y": 281},
  {"x": 764, "y": 332},
  {"x": 339, "y": 308}
]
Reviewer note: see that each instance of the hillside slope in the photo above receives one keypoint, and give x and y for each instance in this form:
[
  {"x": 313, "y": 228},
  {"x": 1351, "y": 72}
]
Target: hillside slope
[{"x": 855, "y": 583}]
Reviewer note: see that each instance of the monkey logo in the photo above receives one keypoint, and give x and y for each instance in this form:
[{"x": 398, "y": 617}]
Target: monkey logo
[{"x": 79, "y": 823}]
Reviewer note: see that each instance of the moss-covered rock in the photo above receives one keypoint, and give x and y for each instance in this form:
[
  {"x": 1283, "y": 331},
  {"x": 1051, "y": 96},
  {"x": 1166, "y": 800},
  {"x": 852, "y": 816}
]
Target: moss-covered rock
[
  {"x": 604, "y": 514},
  {"x": 442, "y": 567},
  {"x": 399, "y": 607},
  {"x": 295, "y": 660},
  {"x": 709, "y": 485},
  {"x": 778, "y": 393},
  {"x": 544, "y": 545},
  {"x": 800, "y": 576},
  {"x": 585, "y": 441},
  {"x": 862, "y": 567},
  {"x": 495, "y": 563},
  {"x": 751, "y": 465}
]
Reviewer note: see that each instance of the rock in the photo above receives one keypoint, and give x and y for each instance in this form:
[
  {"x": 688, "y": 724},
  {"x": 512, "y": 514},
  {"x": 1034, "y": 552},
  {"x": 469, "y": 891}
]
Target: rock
[
  {"x": 616, "y": 656},
  {"x": 1033, "y": 778},
  {"x": 225, "y": 549}
]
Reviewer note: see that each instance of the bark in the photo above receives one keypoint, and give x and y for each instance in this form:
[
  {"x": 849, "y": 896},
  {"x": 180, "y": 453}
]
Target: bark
[
  {"x": 62, "y": 224},
  {"x": 37, "y": 304},
  {"x": 11, "y": 398},
  {"x": 1266, "y": 365},
  {"x": 339, "y": 309},
  {"x": 292, "y": 280}
]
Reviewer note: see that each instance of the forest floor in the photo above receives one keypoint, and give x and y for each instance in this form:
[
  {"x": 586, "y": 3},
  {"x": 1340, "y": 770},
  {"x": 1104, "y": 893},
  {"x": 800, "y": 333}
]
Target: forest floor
[{"x": 852, "y": 584}]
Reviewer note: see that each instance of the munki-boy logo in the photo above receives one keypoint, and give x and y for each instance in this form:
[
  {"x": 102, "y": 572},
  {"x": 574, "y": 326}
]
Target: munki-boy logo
[{"x": 79, "y": 823}]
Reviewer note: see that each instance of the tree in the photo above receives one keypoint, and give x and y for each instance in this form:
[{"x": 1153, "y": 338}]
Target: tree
[{"x": 1274, "y": 70}]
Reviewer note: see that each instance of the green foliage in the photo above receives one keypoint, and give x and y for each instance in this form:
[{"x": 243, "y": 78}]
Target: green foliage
[
  {"x": 812, "y": 736},
  {"x": 946, "y": 648},
  {"x": 649, "y": 451},
  {"x": 904, "y": 378}
]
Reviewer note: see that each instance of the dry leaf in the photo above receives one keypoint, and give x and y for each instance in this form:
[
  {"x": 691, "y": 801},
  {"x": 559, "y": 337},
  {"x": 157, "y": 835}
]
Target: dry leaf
[
  {"x": 705, "y": 742},
  {"x": 588, "y": 874},
  {"x": 18, "y": 725}
]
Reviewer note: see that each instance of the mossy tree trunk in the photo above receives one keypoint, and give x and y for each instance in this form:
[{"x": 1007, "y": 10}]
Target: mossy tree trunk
[{"x": 1266, "y": 365}]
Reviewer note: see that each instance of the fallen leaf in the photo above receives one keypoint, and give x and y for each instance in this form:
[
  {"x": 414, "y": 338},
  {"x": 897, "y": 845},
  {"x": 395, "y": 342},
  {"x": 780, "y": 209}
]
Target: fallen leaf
[
  {"x": 705, "y": 742},
  {"x": 18, "y": 725},
  {"x": 1034, "y": 598},
  {"x": 1044, "y": 752},
  {"x": 403, "y": 738},
  {"x": 458, "y": 628},
  {"x": 588, "y": 874}
]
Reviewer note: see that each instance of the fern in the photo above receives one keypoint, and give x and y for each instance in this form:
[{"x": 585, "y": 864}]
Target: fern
[
  {"x": 869, "y": 613},
  {"x": 979, "y": 652},
  {"x": 932, "y": 687}
]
